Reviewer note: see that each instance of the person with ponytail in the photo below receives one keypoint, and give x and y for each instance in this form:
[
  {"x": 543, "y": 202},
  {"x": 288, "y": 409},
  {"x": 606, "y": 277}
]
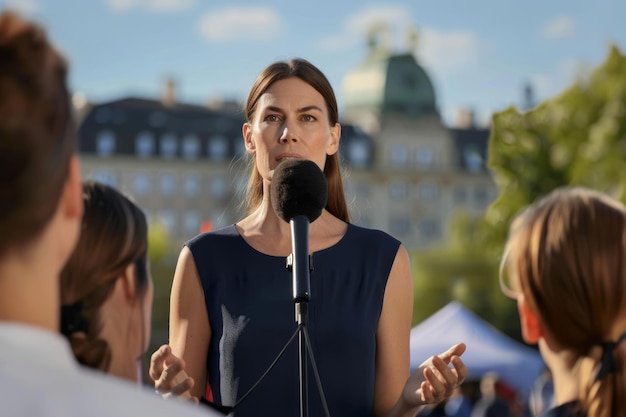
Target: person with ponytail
[
  {"x": 565, "y": 264},
  {"x": 106, "y": 288}
]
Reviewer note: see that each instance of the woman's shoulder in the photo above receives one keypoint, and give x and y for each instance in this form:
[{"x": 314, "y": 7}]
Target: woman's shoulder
[
  {"x": 371, "y": 236},
  {"x": 214, "y": 237}
]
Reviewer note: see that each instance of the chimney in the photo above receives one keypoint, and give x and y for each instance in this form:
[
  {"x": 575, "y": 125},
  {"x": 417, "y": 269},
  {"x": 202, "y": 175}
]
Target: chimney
[
  {"x": 168, "y": 98},
  {"x": 465, "y": 119},
  {"x": 529, "y": 97}
]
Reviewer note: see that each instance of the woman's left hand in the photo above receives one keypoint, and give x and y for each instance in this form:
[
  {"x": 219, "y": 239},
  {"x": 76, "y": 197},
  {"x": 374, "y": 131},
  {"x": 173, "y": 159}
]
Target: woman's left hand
[{"x": 435, "y": 380}]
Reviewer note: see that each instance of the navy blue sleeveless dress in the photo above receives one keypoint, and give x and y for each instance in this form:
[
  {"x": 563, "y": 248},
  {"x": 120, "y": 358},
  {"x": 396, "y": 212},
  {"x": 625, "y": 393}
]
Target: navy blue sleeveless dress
[{"x": 249, "y": 297}]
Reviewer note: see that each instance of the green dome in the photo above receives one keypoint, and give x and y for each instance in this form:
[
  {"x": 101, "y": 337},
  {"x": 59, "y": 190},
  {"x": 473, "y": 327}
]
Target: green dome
[{"x": 389, "y": 85}]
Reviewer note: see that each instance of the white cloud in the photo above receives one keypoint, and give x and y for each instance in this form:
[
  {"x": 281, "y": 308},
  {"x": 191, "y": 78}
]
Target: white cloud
[
  {"x": 335, "y": 43},
  {"x": 442, "y": 52},
  {"x": 559, "y": 28},
  {"x": 359, "y": 23},
  {"x": 355, "y": 28},
  {"x": 157, "y": 6},
  {"x": 26, "y": 7},
  {"x": 252, "y": 23},
  {"x": 447, "y": 52}
]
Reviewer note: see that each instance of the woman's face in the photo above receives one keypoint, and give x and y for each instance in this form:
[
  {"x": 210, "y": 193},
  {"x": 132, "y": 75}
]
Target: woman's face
[{"x": 290, "y": 121}]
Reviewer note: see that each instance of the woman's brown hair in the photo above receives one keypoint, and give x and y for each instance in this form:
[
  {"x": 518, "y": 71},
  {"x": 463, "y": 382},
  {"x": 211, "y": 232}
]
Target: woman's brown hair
[
  {"x": 114, "y": 234},
  {"x": 36, "y": 131},
  {"x": 566, "y": 255},
  {"x": 307, "y": 72}
]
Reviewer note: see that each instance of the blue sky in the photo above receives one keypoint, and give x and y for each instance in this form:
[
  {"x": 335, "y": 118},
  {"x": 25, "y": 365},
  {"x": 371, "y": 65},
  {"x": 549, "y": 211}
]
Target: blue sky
[{"x": 479, "y": 53}]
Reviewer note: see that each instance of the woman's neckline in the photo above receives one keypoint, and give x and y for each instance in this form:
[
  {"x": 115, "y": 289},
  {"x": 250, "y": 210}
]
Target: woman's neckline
[{"x": 319, "y": 251}]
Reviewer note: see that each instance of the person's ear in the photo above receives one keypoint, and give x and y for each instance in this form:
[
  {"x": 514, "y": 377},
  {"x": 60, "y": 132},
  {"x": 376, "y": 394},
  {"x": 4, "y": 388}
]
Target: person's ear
[
  {"x": 128, "y": 284},
  {"x": 247, "y": 138},
  {"x": 333, "y": 144},
  {"x": 531, "y": 326},
  {"x": 72, "y": 196}
]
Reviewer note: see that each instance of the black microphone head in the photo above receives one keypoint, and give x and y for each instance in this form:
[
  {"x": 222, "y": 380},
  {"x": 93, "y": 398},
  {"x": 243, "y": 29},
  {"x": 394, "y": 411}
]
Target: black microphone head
[{"x": 298, "y": 188}]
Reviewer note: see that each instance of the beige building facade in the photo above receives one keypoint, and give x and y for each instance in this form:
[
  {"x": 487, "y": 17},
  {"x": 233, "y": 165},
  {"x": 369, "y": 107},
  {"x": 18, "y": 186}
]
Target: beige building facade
[{"x": 405, "y": 172}]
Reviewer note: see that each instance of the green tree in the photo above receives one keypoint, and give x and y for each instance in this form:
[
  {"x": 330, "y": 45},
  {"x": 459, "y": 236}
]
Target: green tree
[
  {"x": 576, "y": 138},
  {"x": 162, "y": 271}
]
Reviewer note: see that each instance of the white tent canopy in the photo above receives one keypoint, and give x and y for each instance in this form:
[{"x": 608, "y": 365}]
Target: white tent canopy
[{"x": 487, "y": 348}]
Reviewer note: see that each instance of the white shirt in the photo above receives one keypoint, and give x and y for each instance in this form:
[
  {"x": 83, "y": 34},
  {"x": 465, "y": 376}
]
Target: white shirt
[{"x": 39, "y": 377}]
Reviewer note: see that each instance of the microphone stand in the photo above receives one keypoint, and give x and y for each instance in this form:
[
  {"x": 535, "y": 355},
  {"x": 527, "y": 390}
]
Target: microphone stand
[{"x": 301, "y": 265}]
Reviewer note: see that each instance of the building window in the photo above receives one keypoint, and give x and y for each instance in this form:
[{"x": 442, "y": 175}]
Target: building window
[
  {"x": 428, "y": 191},
  {"x": 119, "y": 116},
  {"x": 157, "y": 119},
  {"x": 141, "y": 183},
  {"x": 168, "y": 184},
  {"x": 219, "y": 187},
  {"x": 481, "y": 197},
  {"x": 105, "y": 176},
  {"x": 218, "y": 147},
  {"x": 192, "y": 185},
  {"x": 105, "y": 143},
  {"x": 168, "y": 218},
  {"x": 473, "y": 159},
  {"x": 168, "y": 145},
  {"x": 399, "y": 226},
  {"x": 191, "y": 146},
  {"x": 191, "y": 222},
  {"x": 429, "y": 228},
  {"x": 398, "y": 155},
  {"x": 398, "y": 190},
  {"x": 144, "y": 145},
  {"x": 460, "y": 194},
  {"x": 425, "y": 157},
  {"x": 358, "y": 152}
]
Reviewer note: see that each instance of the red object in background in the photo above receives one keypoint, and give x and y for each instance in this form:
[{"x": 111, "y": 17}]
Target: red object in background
[
  {"x": 206, "y": 226},
  {"x": 505, "y": 391},
  {"x": 208, "y": 394}
]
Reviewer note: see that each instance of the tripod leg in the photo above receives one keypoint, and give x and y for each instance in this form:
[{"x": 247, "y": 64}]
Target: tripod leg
[
  {"x": 318, "y": 381},
  {"x": 304, "y": 397}
]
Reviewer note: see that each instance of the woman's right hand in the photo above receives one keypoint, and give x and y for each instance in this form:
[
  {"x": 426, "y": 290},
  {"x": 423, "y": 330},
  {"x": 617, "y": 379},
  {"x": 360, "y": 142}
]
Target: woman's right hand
[{"x": 168, "y": 373}]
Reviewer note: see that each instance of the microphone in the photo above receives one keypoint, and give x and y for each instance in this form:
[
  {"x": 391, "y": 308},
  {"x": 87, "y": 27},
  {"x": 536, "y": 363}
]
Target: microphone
[{"x": 299, "y": 193}]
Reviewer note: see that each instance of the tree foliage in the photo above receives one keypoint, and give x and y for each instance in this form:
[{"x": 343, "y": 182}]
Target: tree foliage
[
  {"x": 162, "y": 271},
  {"x": 576, "y": 138}
]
